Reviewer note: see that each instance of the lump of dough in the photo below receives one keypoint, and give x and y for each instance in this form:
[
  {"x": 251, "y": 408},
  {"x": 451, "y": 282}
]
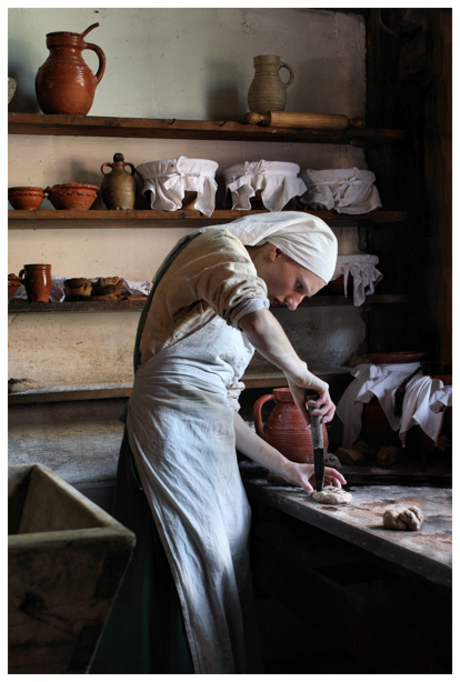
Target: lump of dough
[
  {"x": 332, "y": 495},
  {"x": 410, "y": 518}
]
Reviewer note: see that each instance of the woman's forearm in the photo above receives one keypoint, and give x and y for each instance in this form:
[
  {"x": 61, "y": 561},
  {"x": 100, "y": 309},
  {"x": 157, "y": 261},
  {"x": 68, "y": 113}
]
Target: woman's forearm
[
  {"x": 269, "y": 338},
  {"x": 257, "y": 449}
]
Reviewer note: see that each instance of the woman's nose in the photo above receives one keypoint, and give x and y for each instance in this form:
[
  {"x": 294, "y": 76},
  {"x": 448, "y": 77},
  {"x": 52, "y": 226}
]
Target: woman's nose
[{"x": 293, "y": 301}]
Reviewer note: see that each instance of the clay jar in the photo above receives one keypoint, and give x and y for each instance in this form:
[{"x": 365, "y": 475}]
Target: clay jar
[
  {"x": 267, "y": 91},
  {"x": 64, "y": 83},
  {"x": 118, "y": 187},
  {"x": 285, "y": 427},
  {"x": 37, "y": 281}
]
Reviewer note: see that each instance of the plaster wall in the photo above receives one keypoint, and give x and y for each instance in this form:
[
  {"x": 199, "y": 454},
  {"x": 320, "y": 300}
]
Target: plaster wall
[{"x": 168, "y": 63}]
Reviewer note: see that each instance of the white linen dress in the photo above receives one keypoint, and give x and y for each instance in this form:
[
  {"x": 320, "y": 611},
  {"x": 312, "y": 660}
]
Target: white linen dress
[{"x": 181, "y": 433}]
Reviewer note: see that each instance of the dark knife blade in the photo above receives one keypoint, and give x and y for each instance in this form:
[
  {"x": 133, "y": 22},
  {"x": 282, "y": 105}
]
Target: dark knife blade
[{"x": 316, "y": 427}]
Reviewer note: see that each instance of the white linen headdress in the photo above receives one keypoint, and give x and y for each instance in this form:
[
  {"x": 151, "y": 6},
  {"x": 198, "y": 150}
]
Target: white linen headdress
[{"x": 301, "y": 236}]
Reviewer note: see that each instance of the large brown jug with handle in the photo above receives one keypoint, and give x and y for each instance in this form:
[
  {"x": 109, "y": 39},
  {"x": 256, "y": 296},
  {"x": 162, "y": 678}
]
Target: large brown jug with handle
[
  {"x": 285, "y": 427},
  {"x": 267, "y": 91},
  {"x": 64, "y": 83}
]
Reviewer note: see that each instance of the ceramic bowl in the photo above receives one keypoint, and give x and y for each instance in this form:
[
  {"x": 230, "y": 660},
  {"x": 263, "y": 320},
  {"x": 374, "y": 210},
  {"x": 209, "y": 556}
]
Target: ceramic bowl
[
  {"x": 25, "y": 198},
  {"x": 72, "y": 196}
]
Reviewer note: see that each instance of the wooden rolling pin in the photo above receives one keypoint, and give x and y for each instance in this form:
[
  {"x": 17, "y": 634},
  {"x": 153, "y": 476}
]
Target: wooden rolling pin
[{"x": 293, "y": 119}]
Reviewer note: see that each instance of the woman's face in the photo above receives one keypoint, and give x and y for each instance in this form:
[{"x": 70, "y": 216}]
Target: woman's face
[{"x": 288, "y": 282}]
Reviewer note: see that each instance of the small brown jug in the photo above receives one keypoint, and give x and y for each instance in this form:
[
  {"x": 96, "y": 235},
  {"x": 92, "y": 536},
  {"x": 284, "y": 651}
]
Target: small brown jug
[
  {"x": 64, "y": 83},
  {"x": 267, "y": 91},
  {"x": 285, "y": 427},
  {"x": 37, "y": 281},
  {"x": 118, "y": 186}
]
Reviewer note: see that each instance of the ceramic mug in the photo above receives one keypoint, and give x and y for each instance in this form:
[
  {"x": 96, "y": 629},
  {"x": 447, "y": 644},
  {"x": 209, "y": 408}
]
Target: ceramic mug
[{"x": 37, "y": 281}]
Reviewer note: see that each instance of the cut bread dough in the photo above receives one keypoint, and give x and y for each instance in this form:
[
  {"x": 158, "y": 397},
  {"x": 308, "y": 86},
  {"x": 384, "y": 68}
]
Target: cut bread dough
[
  {"x": 403, "y": 518},
  {"x": 332, "y": 495}
]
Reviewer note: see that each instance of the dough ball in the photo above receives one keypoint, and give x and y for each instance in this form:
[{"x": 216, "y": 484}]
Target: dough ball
[
  {"x": 332, "y": 495},
  {"x": 410, "y": 518}
]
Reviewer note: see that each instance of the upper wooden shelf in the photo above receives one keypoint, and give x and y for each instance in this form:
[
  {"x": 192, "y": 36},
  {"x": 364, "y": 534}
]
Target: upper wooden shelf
[
  {"x": 97, "y": 219},
  {"x": 108, "y": 126}
]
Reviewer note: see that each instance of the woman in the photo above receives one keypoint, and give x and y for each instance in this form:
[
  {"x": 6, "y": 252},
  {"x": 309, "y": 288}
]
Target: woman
[{"x": 208, "y": 311}]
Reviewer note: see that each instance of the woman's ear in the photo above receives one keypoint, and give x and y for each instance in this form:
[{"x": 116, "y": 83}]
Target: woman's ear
[{"x": 274, "y": 253}]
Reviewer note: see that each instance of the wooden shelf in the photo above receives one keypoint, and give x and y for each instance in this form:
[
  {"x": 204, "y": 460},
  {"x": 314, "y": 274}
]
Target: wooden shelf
[
  {"x": 123, "y": 306},
  {"x": 51, "y": 219},
  {"x": 107, "y": 126},
  {"x": 262, "y": 377}
]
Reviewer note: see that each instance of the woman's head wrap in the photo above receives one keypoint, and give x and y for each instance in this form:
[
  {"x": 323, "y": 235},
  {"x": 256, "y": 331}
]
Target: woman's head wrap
[{"x": 301, "y": 236}]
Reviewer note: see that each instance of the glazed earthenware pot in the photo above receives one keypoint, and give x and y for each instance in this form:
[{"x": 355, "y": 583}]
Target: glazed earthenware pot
[
  {"x": 285, "y": 427},
  {"x": 73, "y": 196},
  {"x": 267, "y": 91},
  {"x": 64, "y": 83},
  {"x": 37, "y": 281},
  {"x": 25, "y": 198}
]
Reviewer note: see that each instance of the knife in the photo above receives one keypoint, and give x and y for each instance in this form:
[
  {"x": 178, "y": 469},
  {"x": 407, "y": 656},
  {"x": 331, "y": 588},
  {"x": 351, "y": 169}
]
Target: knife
[{"x": 316, "y": 428}]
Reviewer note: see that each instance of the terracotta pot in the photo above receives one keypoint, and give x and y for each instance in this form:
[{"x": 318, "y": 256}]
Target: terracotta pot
[
  {"x": 267, "y": 91},
  {"x": 37, "y": 281},
  {"x": 25, "y": 198},
  {"x": 72, "y": 196},
  {"x": 118, "y": 186},
  {"x": 285, "y": 428},
  {"x": 64, "y": 83}
]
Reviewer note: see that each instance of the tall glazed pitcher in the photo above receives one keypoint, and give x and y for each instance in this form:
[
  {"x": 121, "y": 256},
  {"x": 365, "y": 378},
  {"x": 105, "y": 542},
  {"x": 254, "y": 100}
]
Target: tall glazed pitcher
[
  {"x": 64, "y": 83},
  {"x": 285, "y": 428},
  {"x": 267, "y": 91}
]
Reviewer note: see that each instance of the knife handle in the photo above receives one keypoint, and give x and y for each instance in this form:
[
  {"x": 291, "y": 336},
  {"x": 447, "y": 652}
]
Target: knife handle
[{"x": 316, "y": 429}]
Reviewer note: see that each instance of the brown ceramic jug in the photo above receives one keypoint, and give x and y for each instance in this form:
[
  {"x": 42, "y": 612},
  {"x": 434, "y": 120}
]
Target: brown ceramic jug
[
  {"x": 285, "y": 427},
  {"x": 118, "y": 187},
  {"x": 37, "y": 281},
  {"x": 267, "y": 91},
  {"x": 64, "y": 83}
]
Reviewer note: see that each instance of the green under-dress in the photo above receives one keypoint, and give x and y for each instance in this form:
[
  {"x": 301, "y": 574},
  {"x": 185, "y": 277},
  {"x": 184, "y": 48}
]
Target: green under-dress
[{"x": 145, "y": 630}]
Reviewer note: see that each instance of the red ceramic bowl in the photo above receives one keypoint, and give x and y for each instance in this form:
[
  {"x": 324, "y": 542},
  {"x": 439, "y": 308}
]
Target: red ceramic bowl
[
  {"x": 72, "y": 196},
  {"x": 25, "y": 198}
]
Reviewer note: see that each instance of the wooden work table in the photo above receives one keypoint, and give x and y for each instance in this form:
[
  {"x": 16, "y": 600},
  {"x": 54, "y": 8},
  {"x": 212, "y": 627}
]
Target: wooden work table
[{"x": 384, "y": 594}]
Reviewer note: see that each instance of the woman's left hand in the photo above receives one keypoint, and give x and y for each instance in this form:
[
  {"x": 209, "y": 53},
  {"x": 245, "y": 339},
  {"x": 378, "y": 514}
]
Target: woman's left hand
[{"x": 304, "y": 475}]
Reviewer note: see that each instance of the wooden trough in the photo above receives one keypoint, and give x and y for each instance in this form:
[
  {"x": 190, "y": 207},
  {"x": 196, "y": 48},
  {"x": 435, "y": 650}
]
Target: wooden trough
[{"x": 66, "y": 559}]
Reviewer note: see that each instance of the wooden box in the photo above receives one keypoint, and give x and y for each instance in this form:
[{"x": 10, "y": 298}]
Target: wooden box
[{"x": 66, "y": 559}]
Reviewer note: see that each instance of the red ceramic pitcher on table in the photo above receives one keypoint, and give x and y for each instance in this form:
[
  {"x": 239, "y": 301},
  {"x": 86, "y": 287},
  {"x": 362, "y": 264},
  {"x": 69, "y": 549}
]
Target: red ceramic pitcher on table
[{"x": 285, "y": 427}]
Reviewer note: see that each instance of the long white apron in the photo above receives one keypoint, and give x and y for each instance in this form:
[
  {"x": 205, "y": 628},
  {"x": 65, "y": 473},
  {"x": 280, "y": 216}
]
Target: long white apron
[{"x": 181, "y": 432}]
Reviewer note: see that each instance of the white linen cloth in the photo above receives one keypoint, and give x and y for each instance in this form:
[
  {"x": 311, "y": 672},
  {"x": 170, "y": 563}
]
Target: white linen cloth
[
  {"x": 422, "y": 405},
  {"x": 169, "y": 179},
  {"x": 345, "y": 190},
  {"x": 277, "y": 180},
  {"x": 362, "y": 267},
  {"x": 303, "y": 237}
]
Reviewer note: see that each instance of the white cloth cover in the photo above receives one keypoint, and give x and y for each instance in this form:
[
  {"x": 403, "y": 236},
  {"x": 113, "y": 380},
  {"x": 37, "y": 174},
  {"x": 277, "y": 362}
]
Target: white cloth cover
[
  {"x": 347, "y": 190},
  {"x": 303, "y": 237},
  {"x": 362, "y": 267},
  {"x": 277, "y": 180},
  {"x": 424, "y": 399},
  {"x": 169, "y": 179}
]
